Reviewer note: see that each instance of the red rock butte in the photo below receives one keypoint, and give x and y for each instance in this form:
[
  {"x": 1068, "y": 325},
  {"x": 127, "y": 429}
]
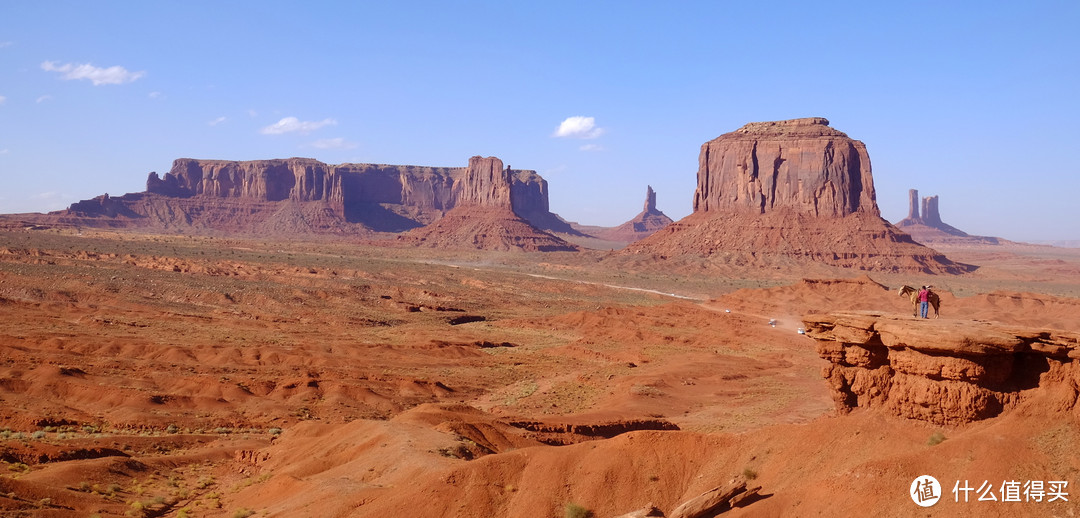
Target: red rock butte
[
  {"x": 772, "y": 192},
  {"x": 800, "y": 164},
  {"x": 926, "y": 226},
  {"x": 484, "y": 217}
]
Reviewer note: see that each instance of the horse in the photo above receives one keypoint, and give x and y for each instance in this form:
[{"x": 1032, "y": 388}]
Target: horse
[{"x": 935, "y": 301}]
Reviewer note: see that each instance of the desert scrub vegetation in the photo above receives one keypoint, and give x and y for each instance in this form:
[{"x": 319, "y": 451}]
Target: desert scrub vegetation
[
  {"x": 573, "y": 510},
  {"x": 935, "y": 439}
]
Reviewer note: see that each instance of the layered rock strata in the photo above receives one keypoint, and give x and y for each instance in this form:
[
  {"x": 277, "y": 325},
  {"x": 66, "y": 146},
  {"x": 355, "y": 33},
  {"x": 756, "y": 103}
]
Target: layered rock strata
[
  {"x": 801, "y": 165},
  {"x": 240, "y": 196},
  {"x": 942, "y": 371},
  {"x": 789, "y": 192},
  {"x": 484, "y": 216}
]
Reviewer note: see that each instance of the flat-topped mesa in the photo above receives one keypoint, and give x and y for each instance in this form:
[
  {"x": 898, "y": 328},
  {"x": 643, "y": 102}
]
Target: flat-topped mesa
[
  {"x": 786, "y": 193},
  {"x": 250, "y": 196},
  {"x": 806, "y": 126},
  {"x": 297, "y": 179},
  {"x": 799, "y": 165}
]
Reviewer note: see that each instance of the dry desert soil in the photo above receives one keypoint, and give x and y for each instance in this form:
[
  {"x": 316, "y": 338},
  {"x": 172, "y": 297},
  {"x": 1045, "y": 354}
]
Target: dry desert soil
[{"x": 152, "y": 375}]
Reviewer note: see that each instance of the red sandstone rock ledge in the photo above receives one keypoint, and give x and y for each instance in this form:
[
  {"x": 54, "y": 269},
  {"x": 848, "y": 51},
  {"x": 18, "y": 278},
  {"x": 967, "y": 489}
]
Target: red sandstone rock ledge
[{"x": 943, "y": 371}]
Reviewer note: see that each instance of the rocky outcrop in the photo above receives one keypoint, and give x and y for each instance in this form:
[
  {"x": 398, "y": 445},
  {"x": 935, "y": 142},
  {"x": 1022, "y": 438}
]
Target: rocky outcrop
[
  {"x": 801, "y": 165},
  {"x": 924, "y": 224},
  {"x": 484, "y": 228},
  {"x": 928, "y": 216},
  {"x": 647, "y": 222},
  {"x": 484, "y": 216},
  {"x": 484, "y": 184},
  {"x": 297, "y": 179},
  {"x": 784, "y": 194},
  {"x": 715, "y": 500},
  {"x": 942, "y": 371},
  {"x": 212, "y": 194}
]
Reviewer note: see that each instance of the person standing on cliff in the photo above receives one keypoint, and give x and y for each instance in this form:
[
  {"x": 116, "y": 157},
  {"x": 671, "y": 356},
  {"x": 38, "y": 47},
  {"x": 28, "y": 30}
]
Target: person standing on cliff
[{"x": 924, "y": 301}]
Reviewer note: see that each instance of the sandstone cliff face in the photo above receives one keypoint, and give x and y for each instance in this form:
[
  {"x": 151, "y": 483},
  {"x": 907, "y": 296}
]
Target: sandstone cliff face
[
  {"x": 210, "y": 194},
  {"x": 484, "y": 215},
  {"x": 801, "y": 165},
  {"x": 297, "y": 179},
  {"x": 942, "y": 371},
  {"x": 485, "y": 183},
  {"x": 785, "y": 194}
]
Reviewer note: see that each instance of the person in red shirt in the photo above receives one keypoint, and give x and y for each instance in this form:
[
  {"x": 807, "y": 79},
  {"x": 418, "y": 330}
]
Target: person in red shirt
[{"x": 924, "y": 301}]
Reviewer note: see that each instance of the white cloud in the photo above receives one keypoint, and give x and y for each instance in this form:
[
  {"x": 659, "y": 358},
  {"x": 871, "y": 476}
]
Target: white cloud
[
  {"x": 4, "y": 151},
  {"x": 6, "y": 44},
  {"x": 2, "y": 99},
  {"x": 591, "y": 147},
  {"x": 115, "y": 75},
  {"x": 334, "y": 143},
  {"x": 578, "y": 127},
  {"x": 217, "y": 121},
  {"x": 43, "y": 99},
  {"x": 292, "y": 124},
  {"x": 156, "y": 95},
  {"x": 52, "y": 200},
  {"x": 555, "y": 170},
  {"x": 252, "y": 113},
  {"x": 51, "y": 195}
]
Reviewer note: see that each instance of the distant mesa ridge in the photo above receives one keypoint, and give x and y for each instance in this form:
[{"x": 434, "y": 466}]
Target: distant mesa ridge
[
  {"x": 770, "y": 193},
  {"x": 247, "y": 196}
]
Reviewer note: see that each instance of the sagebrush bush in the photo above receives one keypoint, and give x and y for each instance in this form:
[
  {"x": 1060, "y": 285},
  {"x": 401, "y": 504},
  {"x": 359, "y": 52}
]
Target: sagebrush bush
[{"x": 576, "y": 511}]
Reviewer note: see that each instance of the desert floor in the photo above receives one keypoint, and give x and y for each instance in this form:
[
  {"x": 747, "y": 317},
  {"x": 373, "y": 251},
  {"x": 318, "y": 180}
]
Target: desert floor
[{"x": 151, "y": 375}]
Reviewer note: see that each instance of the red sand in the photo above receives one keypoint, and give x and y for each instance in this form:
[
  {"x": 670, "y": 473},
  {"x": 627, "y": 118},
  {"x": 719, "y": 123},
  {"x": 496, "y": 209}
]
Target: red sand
[{"x": 171, "y": 376}]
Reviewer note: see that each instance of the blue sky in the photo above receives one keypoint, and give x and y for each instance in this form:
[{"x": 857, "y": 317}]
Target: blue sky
[{"x": 976, "y": 102}]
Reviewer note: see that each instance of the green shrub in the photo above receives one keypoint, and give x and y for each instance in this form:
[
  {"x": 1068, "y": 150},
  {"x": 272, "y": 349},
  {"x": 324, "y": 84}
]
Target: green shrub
[{"x": 573, "y": 510}]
